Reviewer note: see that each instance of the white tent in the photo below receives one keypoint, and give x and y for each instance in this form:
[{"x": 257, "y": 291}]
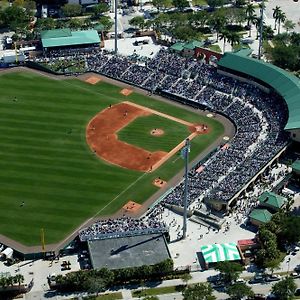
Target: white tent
[{"x": 7, "y": 253}]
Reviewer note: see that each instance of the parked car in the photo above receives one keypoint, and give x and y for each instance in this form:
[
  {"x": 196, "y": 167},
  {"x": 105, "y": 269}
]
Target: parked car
[
  {"x": 273, "y": 277},
  {"x": 297, "y": 268},
  {"x": 295, "y": 275},
  {"x": 257, "y": 279}
]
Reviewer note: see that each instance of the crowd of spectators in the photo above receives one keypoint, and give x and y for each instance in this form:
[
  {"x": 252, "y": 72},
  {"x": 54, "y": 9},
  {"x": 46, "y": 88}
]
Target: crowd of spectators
[{"x": 259, "y": 118}]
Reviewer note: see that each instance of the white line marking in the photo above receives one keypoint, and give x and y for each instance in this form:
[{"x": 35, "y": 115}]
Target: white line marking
[{"x": 129, "y": 186}]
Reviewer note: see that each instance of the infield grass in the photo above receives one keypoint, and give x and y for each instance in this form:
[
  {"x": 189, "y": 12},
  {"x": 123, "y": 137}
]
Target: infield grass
[
  {"x": 138, "y": 133},
  {"x": 49, "y": 178}
]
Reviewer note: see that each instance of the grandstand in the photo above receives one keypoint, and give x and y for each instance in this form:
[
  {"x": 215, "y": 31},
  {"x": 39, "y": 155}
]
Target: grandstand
[
  {"x": 262, "y": 101},
  {"x": 270, "y": 78},
  {"x": 65, "y": 38}
]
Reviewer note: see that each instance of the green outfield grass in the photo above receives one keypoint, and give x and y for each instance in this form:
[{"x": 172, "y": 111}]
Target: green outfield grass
[
  {"x": 138, "y": 133},
  {"x": 46, "y": 163}
]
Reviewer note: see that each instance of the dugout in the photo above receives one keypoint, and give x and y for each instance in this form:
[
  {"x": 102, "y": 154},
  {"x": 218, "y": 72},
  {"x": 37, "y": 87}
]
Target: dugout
[
  {"x": 65, "y": 38},
  {"x": 130, "y": 251}
]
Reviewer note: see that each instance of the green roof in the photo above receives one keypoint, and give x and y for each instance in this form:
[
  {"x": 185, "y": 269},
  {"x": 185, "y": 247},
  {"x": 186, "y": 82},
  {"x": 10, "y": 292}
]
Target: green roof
[
  {"x": 193, "y": 44},
  {"x": 56, "y": 33},
  {"x": 66, "y": 37},
  {"x": 286, "y": 84},
  {"x": 220, "y": 252},
  {"x": 261, "y": 215},
  {"x": 296, "y": 166},
  {"x": 177, "y": 46},
  {"x": 272, "y": 199},
  {"x": 244, "y": 52}
]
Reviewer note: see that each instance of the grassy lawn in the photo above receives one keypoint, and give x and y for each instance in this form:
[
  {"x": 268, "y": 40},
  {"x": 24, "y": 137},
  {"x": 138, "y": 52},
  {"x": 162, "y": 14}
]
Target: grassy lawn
[
  {"x": 49, "y": 177},
  {"x": 199, "y": 2},
  {"x": 110, "y": 296},
  {"x": 158, "y": 291},
  {"x": 138, "y": 133},
  {"x": 215, "y": 48}
]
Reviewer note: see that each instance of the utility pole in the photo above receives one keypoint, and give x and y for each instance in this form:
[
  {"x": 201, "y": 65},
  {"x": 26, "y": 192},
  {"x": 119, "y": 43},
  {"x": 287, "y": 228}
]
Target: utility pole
[
  {"x": 262, "y": 8},
  {"x": 116, "y": 26},
  {"x": 185, "y": 153}
]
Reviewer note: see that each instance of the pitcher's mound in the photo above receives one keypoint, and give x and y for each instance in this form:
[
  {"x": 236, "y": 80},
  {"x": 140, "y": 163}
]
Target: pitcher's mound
[
  {"x": 126, "y": 92},
  {"x": 157, "y": 132},
  {"x": 132, "y": 206},
  {"x": 159, "y": 182},
  {"x": 93, "y": 80}
]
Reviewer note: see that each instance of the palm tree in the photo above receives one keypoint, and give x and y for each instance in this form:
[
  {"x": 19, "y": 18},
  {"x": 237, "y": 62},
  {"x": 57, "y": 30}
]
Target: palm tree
[
  {"x": 289, "y": 25},
  {"x": 223, "y": 36},
  {"x": 18, "y": 279},
  {"x": 276, "y": 11},
  {"x": 281, "y": 18},
  {"x": 233, "y": 38},
  {"x": 251, "y": 21},
  {"x": 256, "y": 22},
  {"x": 249, "y": 12}
]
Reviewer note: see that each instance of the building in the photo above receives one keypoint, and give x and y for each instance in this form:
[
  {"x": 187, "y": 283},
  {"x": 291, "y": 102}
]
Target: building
[
  {"x": 186, "y": 49},
  {"x": 212, "y": 254},
  {"x": 65, "y": 38},
  {"x": 260, "y": 216},
  {"x": 271, "y": 200}
]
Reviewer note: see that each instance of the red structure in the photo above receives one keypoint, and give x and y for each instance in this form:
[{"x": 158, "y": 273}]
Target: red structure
[{"x": 207, "y": 53}]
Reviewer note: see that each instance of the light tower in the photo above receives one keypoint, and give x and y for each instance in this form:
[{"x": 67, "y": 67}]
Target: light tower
[
  {"x": 116, "y": 25},
  {"x": 261, "y": 25},
  {"x": 185, "y": 154}
]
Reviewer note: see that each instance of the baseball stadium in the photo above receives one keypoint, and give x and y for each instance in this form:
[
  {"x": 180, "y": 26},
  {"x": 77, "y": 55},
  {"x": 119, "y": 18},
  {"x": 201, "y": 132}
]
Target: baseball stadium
[{"x": 97, "y": 155}]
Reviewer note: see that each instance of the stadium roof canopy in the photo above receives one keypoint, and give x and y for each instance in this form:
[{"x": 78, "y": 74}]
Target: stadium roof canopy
[
  {"x": 193, "y": 44},
  {"x": 272, "y": 199},
  {"x": 220, "y": 252},
  {"x": 286, "y": 84},
  {"x": 177, "y": 46},
  {"x": 296, "y": 166},
  {"x": 66, "y": 37},
  {"x": 261, "y": 215}
]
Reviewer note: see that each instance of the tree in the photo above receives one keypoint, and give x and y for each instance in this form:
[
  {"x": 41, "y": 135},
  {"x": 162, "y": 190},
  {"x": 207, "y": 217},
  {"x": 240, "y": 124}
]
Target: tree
[
  {"x": 250, "y": 10},
  {"x": 281, "y": 17},
  {"x": 276, "y": 11},
  {"x": 15, "y": 17},
  {"x": 285, "y": 289},
  {"x": 45, "y": 24},
  {"x": 289, "y": 25},
  {"x": 215, "y": 3},
  {"x": 137, "y": 22},
  {"x": 240, "y": 3},
  {"x": 162, "y": 4},
  {"x": 180, "y": 4},
  {"x": 218, "y": 21},
  {"x": 233, "y": 38},
  {"x": 198, "y": 20},
  {"x": 18, "y": 279},
  {"x": 106, "y": 22},
  {"x": 268, "y": 32},
  {"x": 230, "y": 271},
  {"x": 186, "y": 277},
  {"x": 100, "y": 8},
  {"x": 251, "y": 20},
  {"x": 200, "y": 291},
  {"x": 151, "y": 298},
  {"x": 72, "y": 10},
  {"x": 239, "y": 291},
  {"x": 223, "y": 36},
  {"x": 29, "y": 5}
]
